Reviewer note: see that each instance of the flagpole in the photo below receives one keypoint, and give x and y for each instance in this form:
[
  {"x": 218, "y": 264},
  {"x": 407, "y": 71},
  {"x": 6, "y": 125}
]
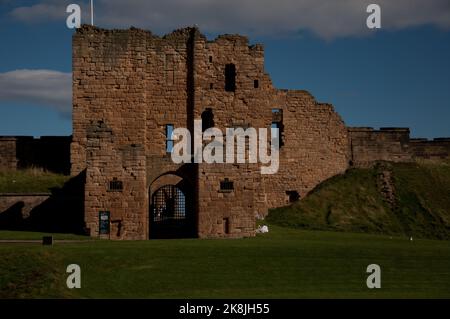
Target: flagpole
[{"x": 92, "y": 12}]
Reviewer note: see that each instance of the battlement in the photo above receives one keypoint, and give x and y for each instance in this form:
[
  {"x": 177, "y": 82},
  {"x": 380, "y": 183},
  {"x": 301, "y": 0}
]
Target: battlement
[
  {"x": 236, "y": 39},
  {"x": 176, "y": 35},
  {"x": 368, "y": 145},
  {"x": 435, "y": 149},
  {"x": 434, "y": 140},
  {"x": 381, "y": 130}
]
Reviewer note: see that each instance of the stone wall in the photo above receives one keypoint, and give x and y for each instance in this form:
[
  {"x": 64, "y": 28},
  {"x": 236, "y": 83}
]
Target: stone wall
[
  {"x": 436, "y": 149},
  {"x": 58, "y": 211},
  {"x": 315, "y": 148},
  {"x": 109, "y": 127},
  {"x": 136, "y": 84},
  {"x": 387, "y": 144},
  {"x": 130, "y": 85},
  {"x": 315, "y": 143},
  {"x": 19, "y": 206},
  {"x": 394, "y": 145},
  {"x": 127, "y": 203},
  {"x": 8, "y": 157},
  {"x": 51, "y": 153}
]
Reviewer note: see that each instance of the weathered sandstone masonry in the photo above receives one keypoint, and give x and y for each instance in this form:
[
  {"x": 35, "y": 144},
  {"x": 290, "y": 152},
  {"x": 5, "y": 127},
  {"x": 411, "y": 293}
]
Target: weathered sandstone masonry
[
  {"x": 130, "y": 88},
  {"x": 23, "y": 202},
  {"x": 394, "y": 145},
  {"x": 8, "y": 157},
  {"x": 436, "y": 149},
  {"x": 387, "y": 144}
]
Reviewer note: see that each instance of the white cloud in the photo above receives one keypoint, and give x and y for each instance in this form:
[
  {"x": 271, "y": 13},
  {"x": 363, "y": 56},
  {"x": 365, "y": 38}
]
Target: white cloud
[
  {"x": 39, "y": 12},
  {"x": 39, "y": 87},
  {"x": 326, "y": 18},
  {"x": 44, "y": 11}
]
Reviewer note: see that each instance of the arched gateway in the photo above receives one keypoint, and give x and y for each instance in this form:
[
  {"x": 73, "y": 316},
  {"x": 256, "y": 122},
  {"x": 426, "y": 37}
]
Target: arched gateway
[{"x": 171, "y": 212}]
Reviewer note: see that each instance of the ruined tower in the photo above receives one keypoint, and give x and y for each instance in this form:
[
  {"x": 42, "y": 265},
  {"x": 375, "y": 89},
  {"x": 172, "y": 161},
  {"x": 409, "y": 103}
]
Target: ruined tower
[{"x": 132, "y": 88}]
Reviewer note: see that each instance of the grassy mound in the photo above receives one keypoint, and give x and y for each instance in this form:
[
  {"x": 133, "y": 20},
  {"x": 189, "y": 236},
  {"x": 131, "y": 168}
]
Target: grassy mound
[
  {"x": 353, "y": 202},
  {"x": 30, "y": 181}
]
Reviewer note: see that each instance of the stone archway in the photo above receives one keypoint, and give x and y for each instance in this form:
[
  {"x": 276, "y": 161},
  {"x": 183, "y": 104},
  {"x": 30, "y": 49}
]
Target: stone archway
[{"x": 171, "y": 213}]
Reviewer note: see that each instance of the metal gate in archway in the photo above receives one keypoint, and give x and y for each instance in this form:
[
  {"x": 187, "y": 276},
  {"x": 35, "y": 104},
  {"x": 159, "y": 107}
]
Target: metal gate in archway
[{"x": 170, "y": 213}]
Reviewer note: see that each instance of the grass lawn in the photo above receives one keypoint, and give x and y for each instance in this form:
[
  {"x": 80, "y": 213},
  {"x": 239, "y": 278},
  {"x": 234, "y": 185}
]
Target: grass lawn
[
  {"x": 32, "y": 180},
  {"x": 285, "y": 263},
  {"x": 28, "y": 235}
]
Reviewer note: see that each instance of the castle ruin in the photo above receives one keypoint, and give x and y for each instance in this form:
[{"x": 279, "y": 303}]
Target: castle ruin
[{"x": 131, "y": 88}]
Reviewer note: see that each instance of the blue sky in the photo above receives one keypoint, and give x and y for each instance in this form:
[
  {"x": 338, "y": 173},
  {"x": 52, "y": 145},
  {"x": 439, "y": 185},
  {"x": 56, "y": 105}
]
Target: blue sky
[{"x": 396, "y": 76}]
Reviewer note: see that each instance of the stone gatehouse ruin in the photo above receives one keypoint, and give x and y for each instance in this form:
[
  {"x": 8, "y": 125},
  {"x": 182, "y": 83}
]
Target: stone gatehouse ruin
[{"x": 131, "y": 89}]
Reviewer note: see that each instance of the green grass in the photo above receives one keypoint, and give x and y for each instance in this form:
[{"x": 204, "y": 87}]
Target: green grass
[
  {"x": 285, "y": 263},
  {"x": 352, "y": 203},
  {"x": 30, "y": 181},
  {"x": 288, "y": 262},
  {"x": 28, "y": 235},
  {"x": 424, "y": 197},
  {"x": 27, "y": 273}
]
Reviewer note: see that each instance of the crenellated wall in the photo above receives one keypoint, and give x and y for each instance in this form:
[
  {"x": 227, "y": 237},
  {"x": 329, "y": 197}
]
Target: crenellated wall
[
  {"x": 436, "y": 149},
  {"x": 393, "y": 144},
  {"x": 387, "y": 144}
]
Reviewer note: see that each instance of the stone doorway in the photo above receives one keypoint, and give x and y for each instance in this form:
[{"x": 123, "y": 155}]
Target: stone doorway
[{"x": 171, "y": 214}]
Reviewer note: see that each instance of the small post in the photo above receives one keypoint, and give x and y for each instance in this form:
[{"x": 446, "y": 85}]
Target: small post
[{"x": 47, "y": 241}]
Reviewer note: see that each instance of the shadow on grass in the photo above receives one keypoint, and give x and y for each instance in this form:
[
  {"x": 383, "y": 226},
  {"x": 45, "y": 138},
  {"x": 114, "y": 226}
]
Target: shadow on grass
[{"x": 62, "y": 212}]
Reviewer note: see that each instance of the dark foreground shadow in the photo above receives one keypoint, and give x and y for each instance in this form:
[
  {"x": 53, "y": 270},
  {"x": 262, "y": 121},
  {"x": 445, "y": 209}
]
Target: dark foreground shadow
[
  {"x": 12, "y": 218},
  {"x": 62, "y": 212}
]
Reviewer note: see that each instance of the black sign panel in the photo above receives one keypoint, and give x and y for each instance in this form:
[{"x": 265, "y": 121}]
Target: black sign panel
[{"x": 104, "y": 219}]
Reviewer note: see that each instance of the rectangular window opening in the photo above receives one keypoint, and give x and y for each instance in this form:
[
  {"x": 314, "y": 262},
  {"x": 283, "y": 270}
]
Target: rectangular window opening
[
  {"x": 169, "y": 138},
  {"x": 115, "y": 185},
  {"x": 277, "y": 122},
  {"x": 226, "y": 185},
  {"x": 230, "y": 77}
]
